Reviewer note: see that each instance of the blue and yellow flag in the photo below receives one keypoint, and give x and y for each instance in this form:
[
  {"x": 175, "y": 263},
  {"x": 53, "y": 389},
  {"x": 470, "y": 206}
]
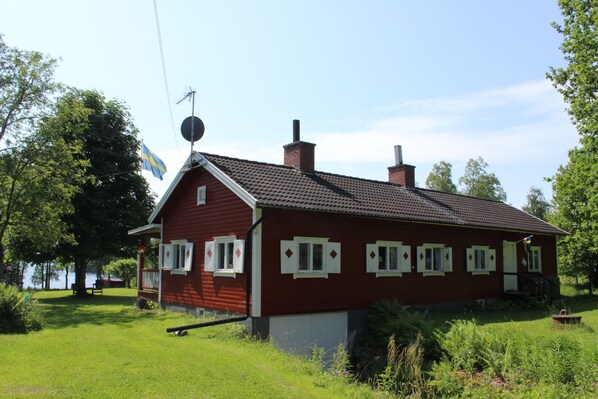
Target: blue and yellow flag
[
  {"x": 527, "y": 244},
  {"x": 152, "y": 163}
]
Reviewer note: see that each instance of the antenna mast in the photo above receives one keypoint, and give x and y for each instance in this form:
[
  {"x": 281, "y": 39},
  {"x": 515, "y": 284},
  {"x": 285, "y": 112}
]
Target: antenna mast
[{"x": 191, "y": 96}]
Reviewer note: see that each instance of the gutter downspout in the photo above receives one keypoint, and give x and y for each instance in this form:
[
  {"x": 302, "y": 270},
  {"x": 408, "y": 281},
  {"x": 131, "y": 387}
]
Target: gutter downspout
[
  {"x": 160, "y": 266},
  {"x": 247, "y": 290}
]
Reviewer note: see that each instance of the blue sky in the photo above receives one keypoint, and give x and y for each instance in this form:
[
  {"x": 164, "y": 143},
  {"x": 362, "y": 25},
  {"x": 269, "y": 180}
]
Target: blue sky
[{"x": 448, "y": 80}]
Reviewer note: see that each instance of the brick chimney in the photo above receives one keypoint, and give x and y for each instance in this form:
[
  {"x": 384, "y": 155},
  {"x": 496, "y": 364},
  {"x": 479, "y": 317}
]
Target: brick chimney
[
  {"x": 401, "y": 173},
  {"x": 299, "y": 154}
]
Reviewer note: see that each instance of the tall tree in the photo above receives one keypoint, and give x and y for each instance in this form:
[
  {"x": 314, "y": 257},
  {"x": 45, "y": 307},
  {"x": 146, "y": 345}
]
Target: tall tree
[
  {"x": 116, "y": 197},
  {"x": 441, "y": 178},
  {"x": 26, "y": 88},
  {"x": 478, "y": 183},
  {"x": 575, "y": 185},
  {"x": 31, "y": 161},
  {"x": 39, "y": 175},
  {"x": 536, "y": 203}
]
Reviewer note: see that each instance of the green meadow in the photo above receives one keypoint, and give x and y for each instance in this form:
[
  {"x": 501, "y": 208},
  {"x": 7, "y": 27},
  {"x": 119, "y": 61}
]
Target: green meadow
[{"x": 102, "y": 347}]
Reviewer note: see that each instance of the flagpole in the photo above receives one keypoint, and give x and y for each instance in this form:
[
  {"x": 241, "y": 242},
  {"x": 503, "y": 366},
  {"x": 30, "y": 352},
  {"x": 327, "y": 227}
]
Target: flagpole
[
  {"x": 141, "y": 157},
  {"x": 524, "y": 238}
]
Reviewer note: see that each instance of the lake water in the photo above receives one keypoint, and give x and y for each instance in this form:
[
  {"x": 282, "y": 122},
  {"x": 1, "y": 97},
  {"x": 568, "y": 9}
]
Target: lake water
[{"x": 59, "y": 284}]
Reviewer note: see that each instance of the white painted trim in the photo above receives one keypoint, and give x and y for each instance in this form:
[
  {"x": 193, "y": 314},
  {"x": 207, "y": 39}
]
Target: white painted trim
[
  {"x": 225, "y": 274},
  {"x": 160, "y": 267},
  {"x": 148, "y": 228},
  {"x": 256, "y": 266},
  {"x": 308, "y": 274},
  {"x": 228, "y": 182},
  {"x": 217, "y": 173},
  {"x": 389, "y": 273},
  {"x": 431, "y": 274}
]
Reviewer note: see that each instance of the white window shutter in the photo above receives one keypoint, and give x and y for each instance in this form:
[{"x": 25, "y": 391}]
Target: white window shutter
[
  {"x": 470, "y": 259},
  {"x": 405, "y": 258},
  {"x": 288, "y": 256},
  {"x": 492, "y": 260},
  {"x": 333, "y": 257},
  {"x": 447, "y": 259},
  {"x": 238, "y": 255},
  {"x": 371, "y": 258},
  {"x": 188, "y": 256},
  {"x": 210, "y": 255},
  {"x": 421, "y": 259},
  {"x": 167, "y": 256}
]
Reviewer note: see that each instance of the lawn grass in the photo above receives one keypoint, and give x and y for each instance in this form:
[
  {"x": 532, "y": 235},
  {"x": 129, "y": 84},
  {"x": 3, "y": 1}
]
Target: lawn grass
[
  {"x": 536, "y": 321},
  {"x": 536, "y": 326},
  {"x": 103, "y": 347}
]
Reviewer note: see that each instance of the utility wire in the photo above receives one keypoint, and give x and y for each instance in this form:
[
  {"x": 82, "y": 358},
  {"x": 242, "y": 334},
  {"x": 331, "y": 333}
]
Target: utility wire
[{"x": 165, "y": 77}]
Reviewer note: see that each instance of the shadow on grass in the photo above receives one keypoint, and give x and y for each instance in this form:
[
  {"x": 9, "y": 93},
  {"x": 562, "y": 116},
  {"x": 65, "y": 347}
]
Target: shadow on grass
[{"x": 69, "y": 311}]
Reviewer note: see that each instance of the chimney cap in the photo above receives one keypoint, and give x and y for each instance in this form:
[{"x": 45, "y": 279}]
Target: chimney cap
[
  {"x": 398, "y": 155},
  {"x": 296, "y": 130}
]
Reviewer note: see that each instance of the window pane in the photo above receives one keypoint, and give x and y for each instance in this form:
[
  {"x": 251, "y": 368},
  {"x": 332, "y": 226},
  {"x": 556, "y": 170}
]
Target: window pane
[
  {"x": 381, "y": 258},
  {"x": 429, "y": 258},
  {"x": 221, "y": 251},
  {"x": 181, "y": 256},
  {"x": 318, "y": 261},
  {"x": 229, "y": 255},
  {"x": 480, "y": 259},
  {"x": 438, "y": 258},
  {"x": 304, "y": 256},
  {"x": 394, "y": 258}
]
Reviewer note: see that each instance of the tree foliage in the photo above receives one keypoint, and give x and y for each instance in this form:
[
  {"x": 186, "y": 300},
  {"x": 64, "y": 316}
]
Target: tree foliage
[
  {"x": 575, "y": 185},
  {"x": 115, "y": 198},
  {"x": 123, "y": 268},
  {"x": 39, "y": 169},
  {"x": 536, "y": 203},
  {"x": 441, "y": 178},
  {"x": 26, "y": 88},
  {"x": 575, "y": 201},
  {"x": 477, "y": 182}
]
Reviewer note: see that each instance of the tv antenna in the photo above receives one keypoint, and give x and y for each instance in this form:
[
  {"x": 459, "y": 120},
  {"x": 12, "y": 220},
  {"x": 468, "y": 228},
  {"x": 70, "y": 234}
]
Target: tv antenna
[{"x": 192, "y": 127}]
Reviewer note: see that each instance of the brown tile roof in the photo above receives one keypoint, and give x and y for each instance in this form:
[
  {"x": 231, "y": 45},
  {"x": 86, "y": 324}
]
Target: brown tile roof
[{"x": 285, "y": 187}]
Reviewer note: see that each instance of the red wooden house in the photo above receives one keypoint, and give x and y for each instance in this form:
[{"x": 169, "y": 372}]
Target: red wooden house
[{"x": 304, "y": 253}]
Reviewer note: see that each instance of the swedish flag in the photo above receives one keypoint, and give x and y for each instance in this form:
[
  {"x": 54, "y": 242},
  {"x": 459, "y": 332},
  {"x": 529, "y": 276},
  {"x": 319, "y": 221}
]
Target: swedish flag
[
  {"x": 527, "y": 243},
  {"x": 152, "y": 163}
]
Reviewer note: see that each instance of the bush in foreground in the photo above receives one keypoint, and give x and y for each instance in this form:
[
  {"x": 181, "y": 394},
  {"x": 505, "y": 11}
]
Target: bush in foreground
[{"x": 18, "y": 312}]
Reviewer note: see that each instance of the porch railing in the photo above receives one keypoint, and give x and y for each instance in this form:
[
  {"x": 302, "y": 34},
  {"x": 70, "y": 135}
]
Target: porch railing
[
  {"x": 536, "y": 285},
  {"x": 150, "y": 279}
]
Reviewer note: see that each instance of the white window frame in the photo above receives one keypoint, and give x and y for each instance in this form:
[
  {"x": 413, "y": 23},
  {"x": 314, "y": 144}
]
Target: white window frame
[
  {"x": 534, "y": 262},
  {"x": 177, "y": 256},
  {"x": 201, "y": 195},
  {"x": 446, "y": 259},
  {"x": 374, "y": 258},
  {"x": 290, "y": 257},
  {"x": 227, "y": 264},
  {"x": 479, "y": 255}
]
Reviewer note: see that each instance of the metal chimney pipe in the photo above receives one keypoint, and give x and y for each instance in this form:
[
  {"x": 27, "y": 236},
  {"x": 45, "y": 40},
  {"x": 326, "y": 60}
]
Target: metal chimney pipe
[
  {"x": 296, "y": 131},
  {"x": 398, "y": 155}
]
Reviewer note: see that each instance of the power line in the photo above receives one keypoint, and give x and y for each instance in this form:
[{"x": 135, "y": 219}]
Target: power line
[{"x": 165, "y": 76}]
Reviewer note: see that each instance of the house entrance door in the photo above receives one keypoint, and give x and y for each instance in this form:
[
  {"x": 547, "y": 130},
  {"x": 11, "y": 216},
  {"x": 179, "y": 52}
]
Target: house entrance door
[{"x": 509, "y": 256}]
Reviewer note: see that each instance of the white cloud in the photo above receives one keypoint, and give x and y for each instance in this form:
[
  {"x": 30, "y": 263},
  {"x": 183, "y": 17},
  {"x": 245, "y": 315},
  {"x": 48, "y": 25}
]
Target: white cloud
[
  {"x": 518, "y": 128},
  {"x": 526, "y": 123}
]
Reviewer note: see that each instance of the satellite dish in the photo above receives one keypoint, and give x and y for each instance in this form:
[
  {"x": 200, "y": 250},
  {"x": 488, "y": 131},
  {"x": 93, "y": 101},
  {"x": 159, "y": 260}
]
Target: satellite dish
[{"x": 198, "y": 128}]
